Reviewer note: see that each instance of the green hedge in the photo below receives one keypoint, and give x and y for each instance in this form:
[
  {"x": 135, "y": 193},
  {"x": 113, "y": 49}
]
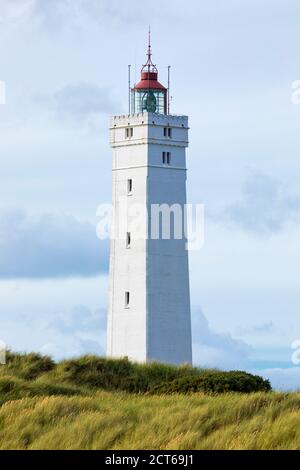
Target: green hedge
[
  {"x": 215, "y": 382},
  {"x": 120, "y": 374}
]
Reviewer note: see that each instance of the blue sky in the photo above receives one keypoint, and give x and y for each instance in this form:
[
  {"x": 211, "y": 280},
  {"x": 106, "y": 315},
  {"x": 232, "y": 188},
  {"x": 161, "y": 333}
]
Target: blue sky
[{"x": 233, "y": 64}]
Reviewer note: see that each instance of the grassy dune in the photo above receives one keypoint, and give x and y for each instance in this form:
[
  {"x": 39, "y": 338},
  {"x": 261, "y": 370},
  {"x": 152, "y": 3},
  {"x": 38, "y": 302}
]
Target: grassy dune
[
  {"x": 94, "y": 403},
  {"x": 111, "y": 420}
]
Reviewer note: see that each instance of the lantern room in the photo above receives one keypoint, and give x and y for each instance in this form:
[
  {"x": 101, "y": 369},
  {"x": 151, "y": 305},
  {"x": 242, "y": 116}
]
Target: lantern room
[{"x": 149, "y": 95}]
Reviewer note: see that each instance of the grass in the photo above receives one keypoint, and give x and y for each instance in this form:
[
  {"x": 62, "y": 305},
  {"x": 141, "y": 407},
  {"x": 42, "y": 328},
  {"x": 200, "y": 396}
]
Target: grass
[
  {"x": 77, "y": 405},
  {"x": 112, "y": 420}
]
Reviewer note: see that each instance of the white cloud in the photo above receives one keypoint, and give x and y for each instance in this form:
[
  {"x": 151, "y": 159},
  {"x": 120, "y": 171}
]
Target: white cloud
[
  {"x": 49, "y": 246},
  {"x": 217, "y": 350},
  {"x": 259, "y": 328},
  {"x": 76, "y": 332},
  {"x": 63, "y": 318},
  {"x": 266, "y": 207},
  {"x": 12, "y": 11},
  {"x": 79, "y": 102},
  {"x": 54, "y": 15}
]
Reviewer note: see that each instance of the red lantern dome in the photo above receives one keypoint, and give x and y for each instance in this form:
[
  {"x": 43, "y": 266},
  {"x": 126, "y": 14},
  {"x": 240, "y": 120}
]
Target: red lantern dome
[{"x": 149, "y": 95}]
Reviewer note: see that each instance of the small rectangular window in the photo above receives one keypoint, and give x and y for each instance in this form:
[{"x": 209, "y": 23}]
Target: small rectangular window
[
  {"x": 129, "y": 186},
  {"x": 167, "y": 132},
  {"x": 166, "y": 158},
  {"x": 127, "y": 299},
  {"x": 128, "y": 132},
  {"x": 128, "y": 240}
]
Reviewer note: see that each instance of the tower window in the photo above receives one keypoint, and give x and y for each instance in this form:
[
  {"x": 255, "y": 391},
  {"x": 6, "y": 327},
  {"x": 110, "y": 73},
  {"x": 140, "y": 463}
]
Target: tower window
[
  {"x": 166, "y": 158},
  {"x": 129, "y": 132},
  {"x": 127, "y": 299},
  {"x": 128, "y": 240},
  {"x": 129, "y": 186},
  {"x": 167, "y": 132}
]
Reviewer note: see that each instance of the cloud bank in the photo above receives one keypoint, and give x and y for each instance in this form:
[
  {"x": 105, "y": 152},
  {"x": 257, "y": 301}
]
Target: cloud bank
[
  {"x": 77, "y": 332},
  {"x": 49, "y": 246},
  {"x": 54, "y": 15},
  {"x": 217, "y": 350},
  {"x": 79, "y": 102},
  {"x": 266, "y": 207}
]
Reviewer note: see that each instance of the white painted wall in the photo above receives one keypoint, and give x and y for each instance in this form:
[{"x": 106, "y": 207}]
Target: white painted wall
[{"x": 157, "y": 325}]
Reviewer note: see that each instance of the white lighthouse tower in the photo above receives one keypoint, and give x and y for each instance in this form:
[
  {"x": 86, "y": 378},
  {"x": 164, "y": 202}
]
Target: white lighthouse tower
[{"x": 149, "y": 299}]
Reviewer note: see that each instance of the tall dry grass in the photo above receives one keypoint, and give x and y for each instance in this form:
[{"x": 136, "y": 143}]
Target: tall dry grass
[
  {"x": 111, "y": 420},
  {"x": 94, "y": 403}
]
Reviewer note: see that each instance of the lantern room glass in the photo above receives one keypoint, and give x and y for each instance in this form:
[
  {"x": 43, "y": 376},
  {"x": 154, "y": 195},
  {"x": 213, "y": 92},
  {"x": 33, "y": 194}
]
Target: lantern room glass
[{"x": 149, "y": 100}]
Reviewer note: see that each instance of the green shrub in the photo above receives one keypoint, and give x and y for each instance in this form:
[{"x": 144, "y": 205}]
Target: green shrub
[
  {"x": 12, "y": 388},
  {"x": 120, "y": 374},
  {"x": 28, "y": 366},
  {"x": 33, "y": 374},
  {"x": 215, "y": 382}
]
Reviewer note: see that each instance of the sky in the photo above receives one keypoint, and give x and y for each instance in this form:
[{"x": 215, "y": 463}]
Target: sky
[{"x": 64, "y": 64}]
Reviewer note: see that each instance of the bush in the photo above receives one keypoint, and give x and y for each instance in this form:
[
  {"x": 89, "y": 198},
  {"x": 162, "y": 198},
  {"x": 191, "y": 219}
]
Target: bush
[
  {"x": 40, "y": 375},
  {"x": 28, "y": 366},
  {"x": 120, "y": 374},
  {"x": 215, "y": 382}
]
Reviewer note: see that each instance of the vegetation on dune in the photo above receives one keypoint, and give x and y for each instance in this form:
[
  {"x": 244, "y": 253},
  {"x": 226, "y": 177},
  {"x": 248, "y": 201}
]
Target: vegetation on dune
[
  {"x": 215, "y": 382},
  {"x": 28, "y": 366},
  {"x": 114, "y": 404},
  {"x": 112, "y": 420},
  {"x": 111, "y": 374},
  {"x": 36, "y": 374},
  {"x": 12, "y": 388}
]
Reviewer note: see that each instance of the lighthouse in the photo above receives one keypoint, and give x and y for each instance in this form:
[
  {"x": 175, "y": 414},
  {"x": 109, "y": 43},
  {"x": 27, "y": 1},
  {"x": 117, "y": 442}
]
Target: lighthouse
[{"x": 149, "y": 315}]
